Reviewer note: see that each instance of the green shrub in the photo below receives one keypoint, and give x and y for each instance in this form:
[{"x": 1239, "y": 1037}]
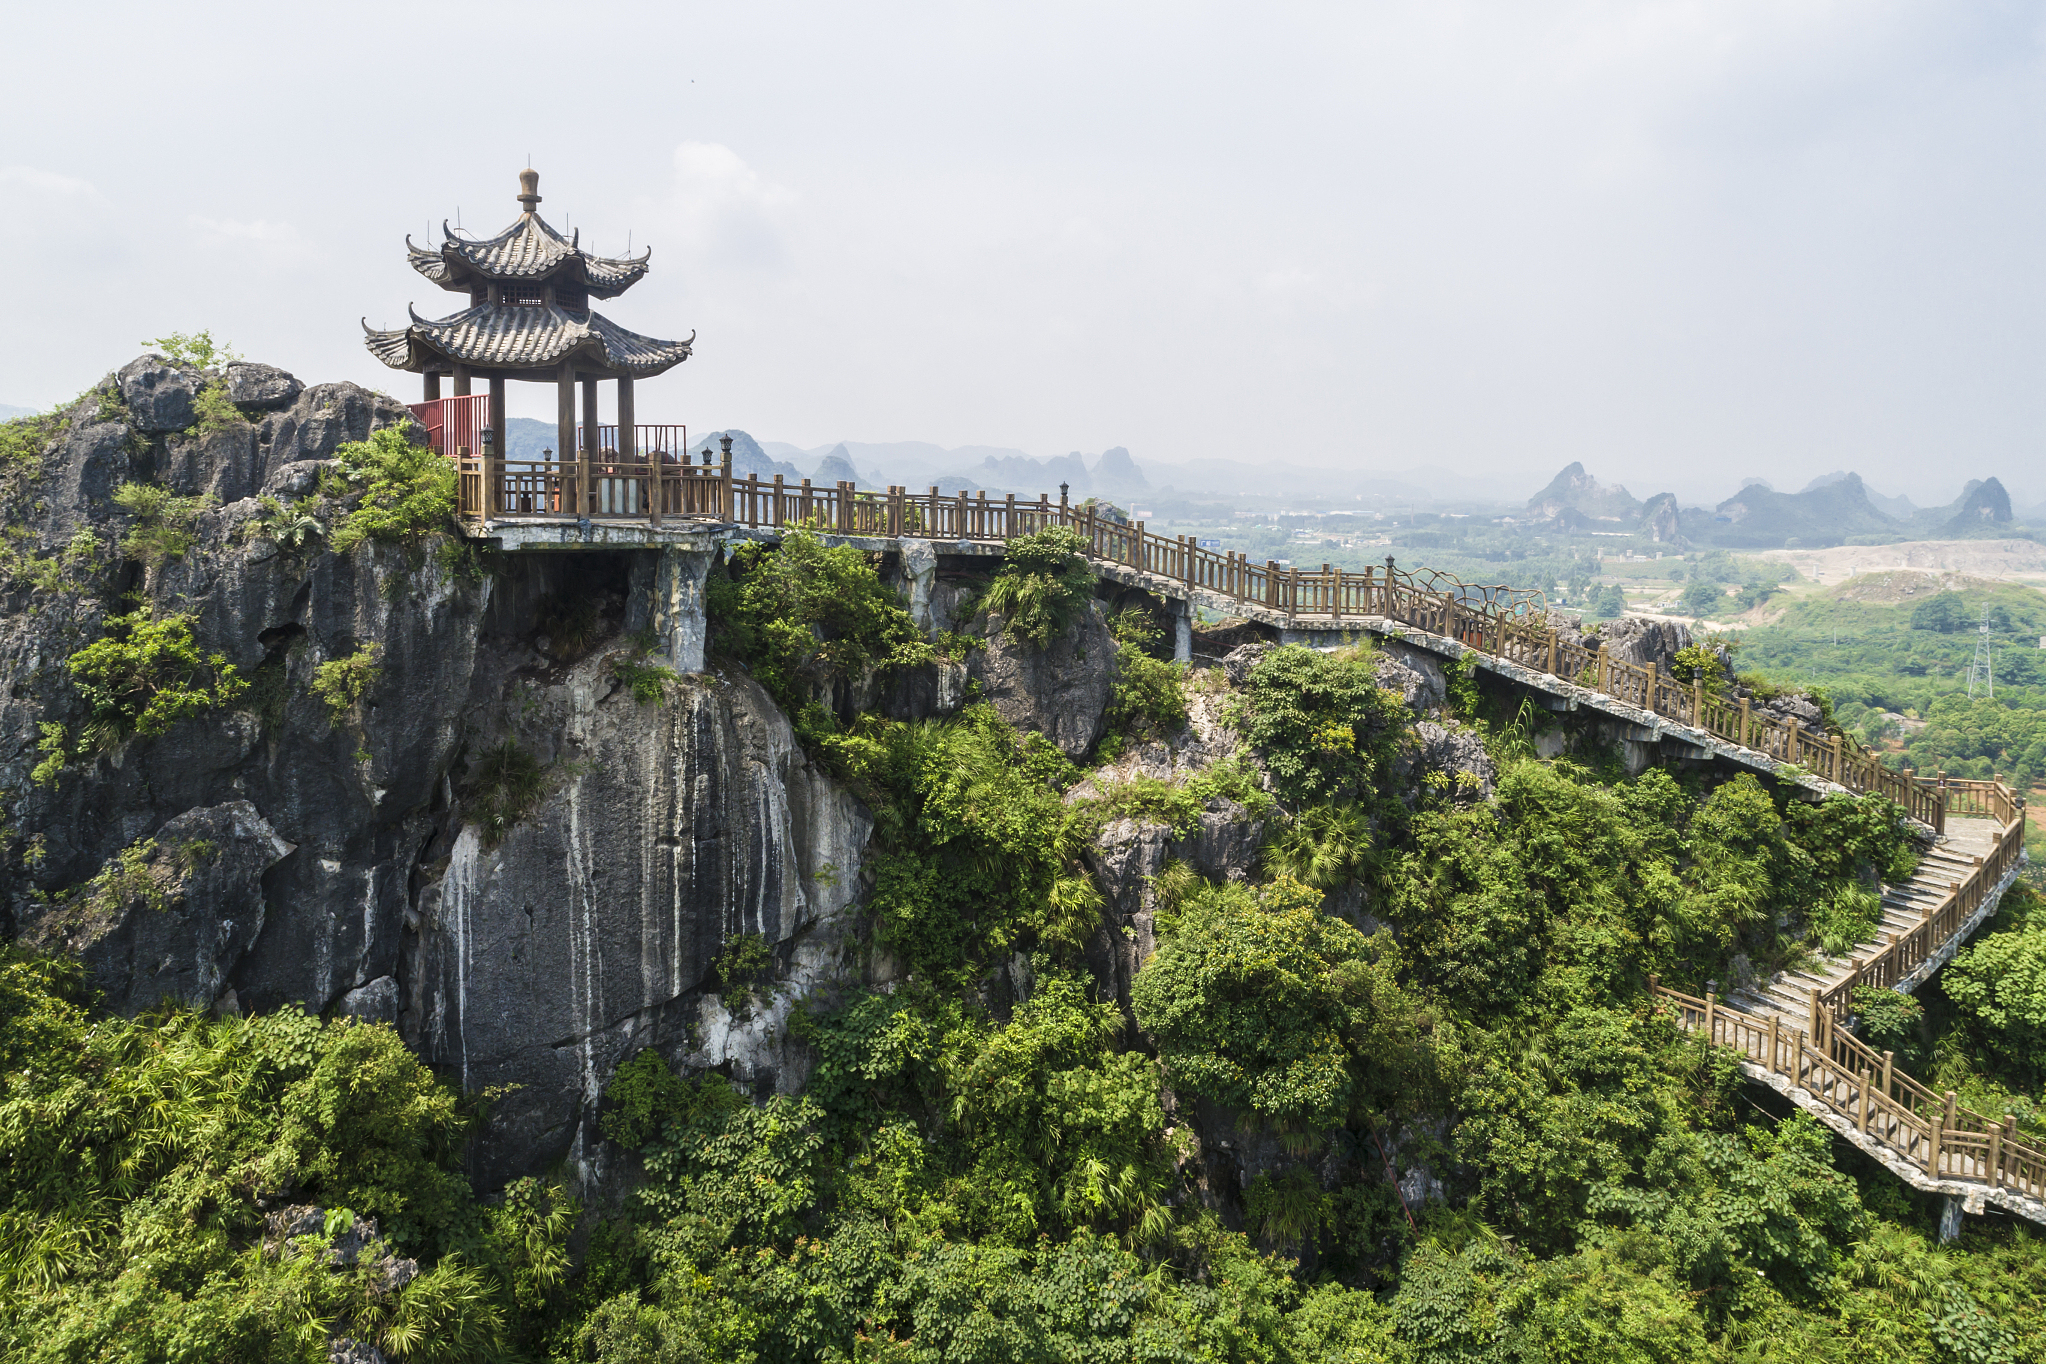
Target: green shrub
[
  {"x": 505, "y": 784},
  {"x": 1043, "y": 585},
  {"x": 408, "y": 491},
  {"x": 1149, "y": 695},
  {"x": 196, "y": 350},
  {"x": 145, "y": 674},
  {"x": 803, "y": 613},
  {"x": 648, "y": 682},
  {"x": 163, "y": 521},
  {"x": 343, "y": 683},
  {"x": 142, "y": 1155},
  {"x": 213, "y": 409},
  {"x": 289, "y": 526},
  {"x": 1261, "y": 1001},
  {"x": 1321, "y": 722},
  {"x": 1327, "y": 847},
  {"x": 1999, "y": 984}
]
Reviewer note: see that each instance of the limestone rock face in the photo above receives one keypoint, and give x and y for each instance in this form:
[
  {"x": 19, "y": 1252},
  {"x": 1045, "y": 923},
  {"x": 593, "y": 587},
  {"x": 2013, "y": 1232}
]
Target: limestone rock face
[
  {"x": 1060, "y": 691},
  {"x": 253, "y": 385},
  {"x": 340, "y": 860},
  {"x": 1640, "y": 641},
  {"x": 159, "y": 394},
  {"x": 1449, "y": 759},
  {"x": 583, "y": 936},
  {"x": 1414, "y": 675},
  {"x": 170, "y": 927}
]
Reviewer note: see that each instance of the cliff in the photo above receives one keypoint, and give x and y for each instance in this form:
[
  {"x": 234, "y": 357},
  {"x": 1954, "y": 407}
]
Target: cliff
[{"x": 277, "y": 850}]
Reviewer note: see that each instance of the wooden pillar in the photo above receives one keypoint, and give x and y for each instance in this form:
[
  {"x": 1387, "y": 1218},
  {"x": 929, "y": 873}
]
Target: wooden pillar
[
  {"x": 589, "y": 450},
  {"x": 564, "y": 438},
  {"x": 432, "y": 382},
  {"x": 461, "y": 381},
  {"x": 493, "y": 463},
  {"x": 1650, "y": 698},
  {"x": 1775, "y": 1031},
  {"x": 1746, "y": 731},
  {"x": 628, "y": 448}
]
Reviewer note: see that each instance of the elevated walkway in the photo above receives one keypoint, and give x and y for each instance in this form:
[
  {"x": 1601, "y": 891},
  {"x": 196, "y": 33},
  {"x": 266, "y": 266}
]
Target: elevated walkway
[{"x": 1792, "y": 1030}]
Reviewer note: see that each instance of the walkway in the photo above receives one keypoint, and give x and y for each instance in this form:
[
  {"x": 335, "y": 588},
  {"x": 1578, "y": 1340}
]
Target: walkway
[{"x": 1793, "y": 1028}]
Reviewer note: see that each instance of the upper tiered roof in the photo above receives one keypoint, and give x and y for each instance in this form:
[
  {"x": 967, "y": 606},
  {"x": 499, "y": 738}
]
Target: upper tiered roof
[
  {"x": 529, "y": 250},
  {"x": 529, "y": 289}
]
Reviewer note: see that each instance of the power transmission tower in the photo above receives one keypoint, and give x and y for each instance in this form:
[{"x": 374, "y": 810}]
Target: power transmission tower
[{"x": 1981, "y": 672}]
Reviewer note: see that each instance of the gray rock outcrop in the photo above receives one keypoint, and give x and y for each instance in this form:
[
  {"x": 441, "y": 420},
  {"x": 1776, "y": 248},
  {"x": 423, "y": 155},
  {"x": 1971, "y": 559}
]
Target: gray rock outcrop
[
  {"x": 1060, "y": 691},
  {"x": 1640, "y": 641},
  {"x": 158, "y": 394},
  {"x": 340, "y": 859},
  {"x": 1446, "y": 760}
]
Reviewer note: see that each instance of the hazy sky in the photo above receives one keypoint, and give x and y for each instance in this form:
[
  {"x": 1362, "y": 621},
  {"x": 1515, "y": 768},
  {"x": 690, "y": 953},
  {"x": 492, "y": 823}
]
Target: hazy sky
[{"x": 1685, "y": 243}]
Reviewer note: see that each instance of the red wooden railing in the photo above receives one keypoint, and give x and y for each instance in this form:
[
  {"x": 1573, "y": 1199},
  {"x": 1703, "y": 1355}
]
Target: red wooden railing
[{"x": 454, "y": 424}]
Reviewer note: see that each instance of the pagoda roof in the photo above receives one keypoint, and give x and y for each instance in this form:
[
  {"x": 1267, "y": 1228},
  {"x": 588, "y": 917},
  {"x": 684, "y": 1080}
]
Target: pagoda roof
[
  {"x": 528, "y": 249},
  {"x": 523, "y": 338}
]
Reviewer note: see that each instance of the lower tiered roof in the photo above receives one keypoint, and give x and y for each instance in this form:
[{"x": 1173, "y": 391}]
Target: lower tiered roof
[{"x": 514, "y": 339}]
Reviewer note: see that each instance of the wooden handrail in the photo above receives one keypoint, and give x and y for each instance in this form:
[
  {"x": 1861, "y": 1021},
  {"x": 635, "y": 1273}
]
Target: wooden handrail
[
  {"x": 1851, "y": 1080},
  {"x": 1496, "y": 620}
]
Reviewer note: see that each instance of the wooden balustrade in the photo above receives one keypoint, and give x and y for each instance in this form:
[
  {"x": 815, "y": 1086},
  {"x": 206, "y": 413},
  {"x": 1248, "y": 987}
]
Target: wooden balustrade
[
  {"x": 1504, "y": 622},
  {"x": 1864, "y": 1087}
]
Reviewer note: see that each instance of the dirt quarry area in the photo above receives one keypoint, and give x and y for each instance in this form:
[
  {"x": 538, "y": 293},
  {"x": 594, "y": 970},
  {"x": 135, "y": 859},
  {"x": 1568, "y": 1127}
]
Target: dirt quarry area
[{"x": 1995, "y": 560}]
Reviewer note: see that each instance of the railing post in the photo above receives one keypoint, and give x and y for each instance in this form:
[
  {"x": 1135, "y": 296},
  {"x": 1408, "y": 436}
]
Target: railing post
[
  {"x": 1652, "y": 710},
  {"x": 1009, "y": 517},
  {"x": 1553, "y": 644},
  {"x": 1934, "y": 1140},
  {"x": 1599, "y": 680},
  {"x": 1746, "y": 728},
  {"x": 1889, "y": 1062},
  {"x": 1292, "y": 592},
  {"x": 1996, "y": 1154},
  {"x": 1697, "y": 703},
  {"x": 1775, "y": 1023},
  {"x": 1790, "y": 733},
  {"x": 1818, "y": 1026},
  {"x": 1140, "y": 560},
  {"x": 1710, "y": 997}
]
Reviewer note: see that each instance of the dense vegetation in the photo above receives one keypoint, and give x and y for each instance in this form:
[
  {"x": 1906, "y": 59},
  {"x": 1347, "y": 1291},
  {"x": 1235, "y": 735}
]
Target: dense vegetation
[{"x": 994, "y": 1161}]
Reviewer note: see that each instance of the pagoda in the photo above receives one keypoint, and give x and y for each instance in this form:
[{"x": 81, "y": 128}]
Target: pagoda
[{"x": 529, "y": 318}]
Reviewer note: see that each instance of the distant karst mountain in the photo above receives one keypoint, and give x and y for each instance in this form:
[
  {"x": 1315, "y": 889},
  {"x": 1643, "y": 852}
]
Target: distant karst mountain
[
  {"x": 1575, "y": 490},
  {"x": 1756, "y": 518},
  {"x": 8, "y": 412}
]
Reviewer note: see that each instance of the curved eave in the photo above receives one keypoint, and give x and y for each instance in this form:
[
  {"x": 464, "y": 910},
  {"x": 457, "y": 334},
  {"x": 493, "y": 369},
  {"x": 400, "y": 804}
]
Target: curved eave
[
  {"x": 531, "y": 250},
  {"x": 524, "y": 339}
]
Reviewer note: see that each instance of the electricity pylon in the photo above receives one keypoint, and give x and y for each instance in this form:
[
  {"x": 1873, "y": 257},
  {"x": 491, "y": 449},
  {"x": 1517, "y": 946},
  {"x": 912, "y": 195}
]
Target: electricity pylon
[{"x": 1981, "y": 671}]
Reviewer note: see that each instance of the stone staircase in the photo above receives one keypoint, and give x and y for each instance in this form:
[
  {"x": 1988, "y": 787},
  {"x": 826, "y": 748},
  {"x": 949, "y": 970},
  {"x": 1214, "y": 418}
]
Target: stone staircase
[{"x": 1966, "y": 845}]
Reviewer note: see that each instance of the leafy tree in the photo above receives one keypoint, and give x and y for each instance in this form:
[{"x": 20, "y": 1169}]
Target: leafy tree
[
  {"x": 146, "y": 674},
  {"x": 1043, "y": 584},
  {"x": 804, "y": 615},
  {"x": 1263, "y": 1002},
  {"x": 1702, "y": 598},
  {"x": 408, "y": 491},
  {"x": 1999, "y": 983},
  {"x": 1321, "y": 722},
  {"x": 1944, "y": 613}
]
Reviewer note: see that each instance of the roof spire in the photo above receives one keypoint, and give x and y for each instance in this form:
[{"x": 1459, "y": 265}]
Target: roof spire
[{"x": 529, "y": 189}]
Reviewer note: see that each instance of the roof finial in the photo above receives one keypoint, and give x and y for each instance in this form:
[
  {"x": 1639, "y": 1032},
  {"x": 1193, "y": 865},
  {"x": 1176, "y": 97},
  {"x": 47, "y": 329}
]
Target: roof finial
[{"x": 529, "y": 189}]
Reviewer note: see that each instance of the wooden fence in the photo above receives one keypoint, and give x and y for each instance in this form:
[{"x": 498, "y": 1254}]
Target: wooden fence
[
  {"x": 1506, "y": 622},
  {"x": 1927, "y": 1131},
  {"x": 1905, "y": 952}
]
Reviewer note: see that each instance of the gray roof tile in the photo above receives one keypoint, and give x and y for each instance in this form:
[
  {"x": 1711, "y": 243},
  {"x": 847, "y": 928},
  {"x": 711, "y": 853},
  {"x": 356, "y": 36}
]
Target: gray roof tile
[
  {"x": 528, "y": 249},
  {"x": 524, "y": 338}
]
